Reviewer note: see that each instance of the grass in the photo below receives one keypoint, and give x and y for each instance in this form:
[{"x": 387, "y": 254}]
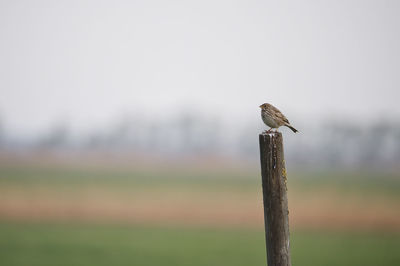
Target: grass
[
  {"x": 71, "y": 244},
  {"x": 120, "y": 179},
  {"x": 345, "y": 248},
  {"x": 364, "y": 183},
  {"x": 82, "y": 244},
  {"x": 122, "y": 245}
]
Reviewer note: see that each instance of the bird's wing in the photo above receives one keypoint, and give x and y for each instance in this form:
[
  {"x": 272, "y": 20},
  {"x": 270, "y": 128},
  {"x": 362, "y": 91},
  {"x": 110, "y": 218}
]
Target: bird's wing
[{"x": 279, "y": 115}]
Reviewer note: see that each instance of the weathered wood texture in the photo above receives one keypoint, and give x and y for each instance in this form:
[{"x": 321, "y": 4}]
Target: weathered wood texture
[{"x": 275, "y": 199}]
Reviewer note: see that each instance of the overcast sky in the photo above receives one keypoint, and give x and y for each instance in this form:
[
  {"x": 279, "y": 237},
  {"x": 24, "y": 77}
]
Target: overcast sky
[{"x": 87, "y": 62}]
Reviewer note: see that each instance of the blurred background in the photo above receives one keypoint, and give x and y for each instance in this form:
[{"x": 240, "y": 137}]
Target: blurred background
[{"x": 129, "y": 130}]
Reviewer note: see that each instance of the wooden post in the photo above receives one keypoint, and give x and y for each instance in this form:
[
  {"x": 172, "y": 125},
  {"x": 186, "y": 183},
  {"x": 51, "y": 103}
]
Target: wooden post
[{"x": 275, "y": 199}]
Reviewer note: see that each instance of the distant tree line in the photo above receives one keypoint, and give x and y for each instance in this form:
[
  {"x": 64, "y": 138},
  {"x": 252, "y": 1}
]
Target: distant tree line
[{"x": 332, "y": 144}]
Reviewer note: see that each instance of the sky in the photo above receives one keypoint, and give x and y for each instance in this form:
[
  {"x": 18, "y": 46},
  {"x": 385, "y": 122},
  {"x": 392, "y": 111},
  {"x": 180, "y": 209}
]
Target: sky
[{"x": 89, "y": 62}]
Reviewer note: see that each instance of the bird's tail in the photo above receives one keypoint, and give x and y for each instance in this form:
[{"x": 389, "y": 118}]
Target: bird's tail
[{"x": 292, "y": 128}]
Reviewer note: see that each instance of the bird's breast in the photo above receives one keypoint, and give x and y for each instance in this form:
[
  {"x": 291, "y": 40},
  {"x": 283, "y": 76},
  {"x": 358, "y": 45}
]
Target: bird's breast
[{"x": 268, "y": 120}]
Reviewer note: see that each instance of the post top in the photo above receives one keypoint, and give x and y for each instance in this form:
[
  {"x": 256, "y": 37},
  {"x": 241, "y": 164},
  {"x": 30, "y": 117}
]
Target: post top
[{"x": 271, "y": 134}]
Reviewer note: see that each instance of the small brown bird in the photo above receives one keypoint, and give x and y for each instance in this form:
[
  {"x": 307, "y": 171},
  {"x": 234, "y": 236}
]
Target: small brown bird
[{"x": 273, "y": 118}]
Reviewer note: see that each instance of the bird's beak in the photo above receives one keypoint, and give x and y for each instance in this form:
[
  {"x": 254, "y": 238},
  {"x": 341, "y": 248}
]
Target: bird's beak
[{"x": 260, "y": 106}]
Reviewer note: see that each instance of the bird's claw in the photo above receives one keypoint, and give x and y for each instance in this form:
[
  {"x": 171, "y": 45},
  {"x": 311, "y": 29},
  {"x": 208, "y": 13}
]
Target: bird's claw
[{"x": 268, "y": 131}]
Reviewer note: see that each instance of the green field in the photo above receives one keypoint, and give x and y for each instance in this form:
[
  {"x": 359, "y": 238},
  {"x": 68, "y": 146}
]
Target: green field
[
  {"x": 41, "y": 238},
  {"x": 385, "y": 184},
  {"x": 79, "y": 244}
]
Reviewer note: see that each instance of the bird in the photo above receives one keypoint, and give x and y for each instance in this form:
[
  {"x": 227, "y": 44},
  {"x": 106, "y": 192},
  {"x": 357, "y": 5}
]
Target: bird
[{"x": 273, "y": 118}]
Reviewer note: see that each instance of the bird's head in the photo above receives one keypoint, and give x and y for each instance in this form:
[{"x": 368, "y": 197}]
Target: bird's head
[{"x": 263, "y": 106}]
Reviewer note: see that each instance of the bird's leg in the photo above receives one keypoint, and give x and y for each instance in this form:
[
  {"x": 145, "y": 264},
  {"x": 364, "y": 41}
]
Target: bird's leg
[{"x": 268, "y": 131}]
